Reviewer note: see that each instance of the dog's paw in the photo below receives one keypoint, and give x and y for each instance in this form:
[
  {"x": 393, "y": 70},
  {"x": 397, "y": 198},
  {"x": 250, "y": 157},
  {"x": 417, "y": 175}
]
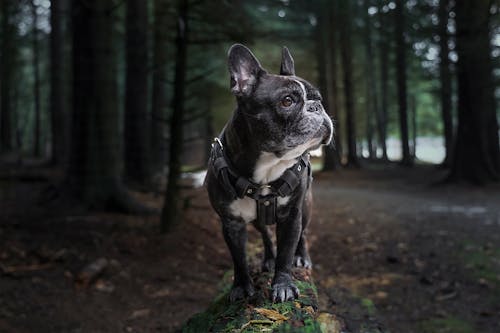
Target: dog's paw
[
  {"x": 283, "y": 292},
  {"x": 302, "y": 261},
  {"x": 241, "y": 292},
  {"x": 268, "y": 265}
]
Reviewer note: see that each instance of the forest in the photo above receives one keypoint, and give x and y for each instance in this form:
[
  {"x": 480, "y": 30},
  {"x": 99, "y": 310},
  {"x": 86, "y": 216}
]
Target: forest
[{"x": 108, "y": 109}]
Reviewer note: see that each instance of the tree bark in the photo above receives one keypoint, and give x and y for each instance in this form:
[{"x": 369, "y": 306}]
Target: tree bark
[
  {"x": 371, "y": 84},
  {"x": 382, "y": 118},
  {"x": 477, "y": 152},
  {"x": 332, "y": 160},
  {"x": 445, "y": 79},
  {"x": 6, "y": 74},
  {"x": 171, "y": 213},
  {"x": 95, "y": 161},
  {"x": 346, "y": 54},
  {"x": 58, "y": 114},
  {"x": 159, "y": 95},
  {"x": 399, "y": 16},
  {"x": 36, "y": 85},
  {"x": 322, "y": 55},
  {"x": 136, "y": 129},
  {"x": 413, "y": 117}
]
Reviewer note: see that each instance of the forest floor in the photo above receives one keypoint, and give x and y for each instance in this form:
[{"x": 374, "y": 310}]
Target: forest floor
[{"x": 419, "y": 257}]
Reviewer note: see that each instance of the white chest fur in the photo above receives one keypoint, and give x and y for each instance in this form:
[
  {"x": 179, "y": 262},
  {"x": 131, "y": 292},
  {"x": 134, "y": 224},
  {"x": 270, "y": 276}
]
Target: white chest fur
[{"x": 267, "y": 169}]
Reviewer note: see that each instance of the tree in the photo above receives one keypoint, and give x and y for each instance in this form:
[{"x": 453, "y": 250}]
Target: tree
[
  {"x": 384, "y": 48},
  {"x": 371, "y": 83},
  {"x": 95, "y": 161},
  {"x": 159, "y": 90},
  {"x": 445, "y": 78},
  {"x": 58, "y": 114},
  {"x": 36, "y": 85},
  {"x": 401, "y": 81},
  {"x": 346, "y": 55},
  {"x": 136, "y": 128},
  {"x": 171, "y": 214},
  {"x": 332, "y": 152},
  {"x": 8, "y": 30},
  {"x": 477, "y": 152}
]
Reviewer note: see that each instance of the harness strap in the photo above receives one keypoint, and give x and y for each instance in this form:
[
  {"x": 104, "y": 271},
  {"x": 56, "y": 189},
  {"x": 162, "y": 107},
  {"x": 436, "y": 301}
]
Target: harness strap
[{"x": 240, "y": 187}]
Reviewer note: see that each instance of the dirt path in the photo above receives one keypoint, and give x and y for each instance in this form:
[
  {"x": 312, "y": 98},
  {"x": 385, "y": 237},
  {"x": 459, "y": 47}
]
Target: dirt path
[
  {"x": 423, "y": 258},
  {"x": 417, "y": 257}
]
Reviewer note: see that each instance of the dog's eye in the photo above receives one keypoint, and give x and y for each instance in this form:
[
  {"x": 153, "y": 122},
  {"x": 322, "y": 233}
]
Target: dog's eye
[{"x": 287, "y": 101}]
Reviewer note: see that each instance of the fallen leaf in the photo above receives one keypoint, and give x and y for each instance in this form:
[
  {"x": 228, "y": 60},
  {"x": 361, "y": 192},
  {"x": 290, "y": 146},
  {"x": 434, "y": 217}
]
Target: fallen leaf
[
  {"x": 271, "y": 314},
  {"x": 140, "y": 313},
  {"x": 310, "y": 310},
  {"x": 328, "y": 323},
  {"x": 104, "y": 286}
]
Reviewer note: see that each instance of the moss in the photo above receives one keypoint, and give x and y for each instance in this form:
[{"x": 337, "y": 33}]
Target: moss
[
  {"x": 225, "y": 317},
  {"x": 482, "y": 261},
  {"x": 447, "y": 325},
  {"x": 368, "y": 305}
]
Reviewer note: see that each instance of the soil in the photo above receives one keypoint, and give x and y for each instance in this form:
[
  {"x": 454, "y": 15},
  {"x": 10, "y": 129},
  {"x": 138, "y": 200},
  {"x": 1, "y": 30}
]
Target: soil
[{"x": 419, "y": 257}]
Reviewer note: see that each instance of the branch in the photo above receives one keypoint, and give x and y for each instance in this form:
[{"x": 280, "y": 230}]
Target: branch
[{"x": 200, "y": 76}]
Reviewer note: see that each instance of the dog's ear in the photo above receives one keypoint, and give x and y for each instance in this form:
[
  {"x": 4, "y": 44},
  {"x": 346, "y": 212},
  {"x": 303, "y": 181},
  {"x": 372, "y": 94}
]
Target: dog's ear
[
  {"x": 287, "y": 64},
  {"x": 244, "y": 69}
]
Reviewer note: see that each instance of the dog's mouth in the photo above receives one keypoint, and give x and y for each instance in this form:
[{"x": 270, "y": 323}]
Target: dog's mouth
[{"x": 291, "y": 152}]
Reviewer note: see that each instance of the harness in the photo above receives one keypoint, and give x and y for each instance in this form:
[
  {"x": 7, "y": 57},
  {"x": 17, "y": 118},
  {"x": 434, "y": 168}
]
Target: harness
[{"x": 239, "y": 186}]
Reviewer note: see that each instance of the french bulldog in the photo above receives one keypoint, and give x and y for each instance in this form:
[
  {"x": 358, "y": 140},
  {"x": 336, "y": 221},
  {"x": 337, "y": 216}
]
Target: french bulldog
[{"x": 265, "y": 145}]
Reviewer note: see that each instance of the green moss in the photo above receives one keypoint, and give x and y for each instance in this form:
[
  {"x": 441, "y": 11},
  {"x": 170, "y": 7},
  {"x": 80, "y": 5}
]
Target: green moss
[
  {"x": 368, "y": 305},
  {"x": 447, "y": 325},
  {"x": 483, "y": 262},
  {"x": 225, "y": 317}
]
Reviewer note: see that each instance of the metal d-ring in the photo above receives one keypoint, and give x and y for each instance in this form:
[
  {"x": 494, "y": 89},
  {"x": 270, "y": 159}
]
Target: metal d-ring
[
  {"x": 217, "y": 140},
  {"x": 263, "y": 187}
]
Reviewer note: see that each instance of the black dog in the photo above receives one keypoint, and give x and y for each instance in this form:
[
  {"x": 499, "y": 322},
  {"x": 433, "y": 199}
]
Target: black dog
[{"x": 259, "y": 170}]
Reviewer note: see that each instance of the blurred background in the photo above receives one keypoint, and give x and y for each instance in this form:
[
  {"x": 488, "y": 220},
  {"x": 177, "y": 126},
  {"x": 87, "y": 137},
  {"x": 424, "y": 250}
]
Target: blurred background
[
  {"x": 390, "y": 75},
  {"x": 111, "y": 106}
]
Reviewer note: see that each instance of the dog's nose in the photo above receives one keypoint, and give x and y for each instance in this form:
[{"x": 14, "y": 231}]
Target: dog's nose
[
  {"x": 328, "y": 133},
  {"x": 314, "y": 106}
]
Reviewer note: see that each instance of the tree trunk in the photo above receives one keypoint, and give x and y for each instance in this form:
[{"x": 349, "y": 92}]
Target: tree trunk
[
  {"x": 346, "y": 55},
  {"x": 36, "y": 85},
  {"x": 413, "y": 117},
  {"x": 332, "y": 152},
  {"x": 160, "y": 76},
  {"x": 136, "y": 129},
  {"x": 477, "y": 153},
  {"x": 59, "y": 117},
  {"x": 322, "y": 55},
  {"x": 94, "y": 170},
  {"x": 382, "y": 118},
  {"x": 6, "y": 72},
  {"x": 171, "y": 213},
  {"x": 371, "y": 84},
  {"x": 445, "y": 78},
  {"x": 399, "y": 16}
]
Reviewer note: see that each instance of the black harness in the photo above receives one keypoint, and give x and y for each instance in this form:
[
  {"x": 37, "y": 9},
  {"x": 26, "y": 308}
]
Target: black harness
[{"x": 240, "y": 187}]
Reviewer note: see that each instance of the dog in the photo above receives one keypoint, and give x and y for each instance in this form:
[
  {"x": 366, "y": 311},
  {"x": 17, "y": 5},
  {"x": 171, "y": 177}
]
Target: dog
[{"x": 259, "y": 170}]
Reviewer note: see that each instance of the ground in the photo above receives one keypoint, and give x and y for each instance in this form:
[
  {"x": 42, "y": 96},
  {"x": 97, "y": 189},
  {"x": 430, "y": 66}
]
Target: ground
[{"x": 419, "y": 257}]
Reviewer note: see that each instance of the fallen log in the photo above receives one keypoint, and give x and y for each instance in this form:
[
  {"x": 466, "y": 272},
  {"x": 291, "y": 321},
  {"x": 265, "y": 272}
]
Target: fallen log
[
  {"x": 259, "y": 314},
  {"x": 91, "y": 272}
]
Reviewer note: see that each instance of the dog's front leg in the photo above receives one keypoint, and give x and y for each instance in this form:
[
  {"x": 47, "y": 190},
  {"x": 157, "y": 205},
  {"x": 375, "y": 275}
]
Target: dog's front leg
[
  {"x": 288, "y": 234},
  {"x": 235, "y": 235}
]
